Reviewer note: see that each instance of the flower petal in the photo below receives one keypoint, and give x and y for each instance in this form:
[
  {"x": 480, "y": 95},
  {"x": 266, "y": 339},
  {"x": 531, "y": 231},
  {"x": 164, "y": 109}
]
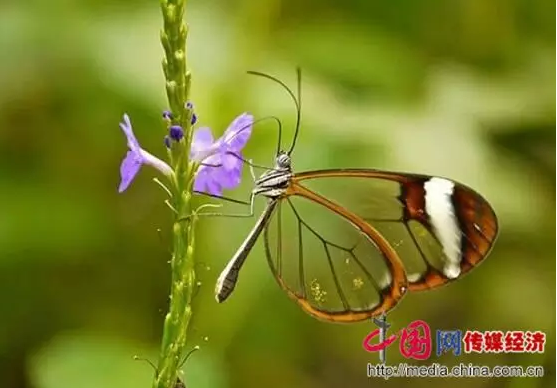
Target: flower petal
[
  {"x": 126, "y": 126},
  {"x": 238, "y": 132},
  {"x": 128, "y": 169},
  {"x": 151, "y": 160},
  {"x": 202, "y": 144},
  {"x": 202, "y": 138},
  {"x": 231, "y": 161},
  {"x": 214, "y": 188},
  {"x": 205, "y": 181},
  {"x": 200, "y": 183},
  {"x": 230, "y": 179},
  {"x": 204, "y": 149},
  {"x": 227, "y": 176}
]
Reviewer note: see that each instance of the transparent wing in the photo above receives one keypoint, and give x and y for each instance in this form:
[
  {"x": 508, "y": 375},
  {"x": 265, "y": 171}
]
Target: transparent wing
[
  {"x": 439, "y": 229},
  {"x": 329, "y": 264}
]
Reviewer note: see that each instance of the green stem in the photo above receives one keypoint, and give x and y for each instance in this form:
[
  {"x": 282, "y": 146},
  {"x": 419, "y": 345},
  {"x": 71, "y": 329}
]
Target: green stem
[
  {"x": 178, "y": 78},
  {"x": 183, "y": 282}
]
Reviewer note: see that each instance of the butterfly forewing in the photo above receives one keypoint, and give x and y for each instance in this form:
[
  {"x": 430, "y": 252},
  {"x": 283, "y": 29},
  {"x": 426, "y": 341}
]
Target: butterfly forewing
[
  {"x": 376, "y": 202},
  {"x": 438, "y": 228},
  {"x": 328, "y": 265}
]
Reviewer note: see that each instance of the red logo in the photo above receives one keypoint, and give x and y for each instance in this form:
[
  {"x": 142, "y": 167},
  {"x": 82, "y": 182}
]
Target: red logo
[{"x": 415, "y": 341}]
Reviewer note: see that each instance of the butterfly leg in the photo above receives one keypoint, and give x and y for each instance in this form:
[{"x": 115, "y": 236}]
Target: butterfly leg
[
  {"x": 217, "y": 214},
  {"x": 251, "y": 170},
  {"x": 238, "y": 201}
]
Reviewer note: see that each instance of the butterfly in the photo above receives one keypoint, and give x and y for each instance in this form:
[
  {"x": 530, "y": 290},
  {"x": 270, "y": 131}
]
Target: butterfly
[{"x": 347, "y": 244}]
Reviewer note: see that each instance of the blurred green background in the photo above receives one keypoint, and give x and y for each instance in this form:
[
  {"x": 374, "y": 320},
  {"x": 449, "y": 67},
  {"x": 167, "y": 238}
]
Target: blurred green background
[{"x": 458, "y": 88}]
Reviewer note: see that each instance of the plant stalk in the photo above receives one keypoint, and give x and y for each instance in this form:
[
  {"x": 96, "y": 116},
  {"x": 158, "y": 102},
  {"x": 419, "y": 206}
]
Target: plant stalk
[{"x": 178, "y": 80}]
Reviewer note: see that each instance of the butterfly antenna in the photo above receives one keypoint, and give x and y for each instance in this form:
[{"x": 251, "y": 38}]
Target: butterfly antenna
[
  {"x": 299, "y": 113},
  {"x": 266, "y": 118},
  {"x": 296, "y": 102},
  {"x": 239, "y": 132}
]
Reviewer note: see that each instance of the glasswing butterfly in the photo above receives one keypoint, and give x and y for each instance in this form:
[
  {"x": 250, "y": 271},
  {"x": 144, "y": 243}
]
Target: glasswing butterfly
[{"x": 359, "y": 239}]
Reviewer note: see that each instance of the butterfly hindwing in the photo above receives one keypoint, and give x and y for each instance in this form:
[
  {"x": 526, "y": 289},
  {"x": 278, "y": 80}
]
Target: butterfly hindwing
[{"x": 328, "y": 262}]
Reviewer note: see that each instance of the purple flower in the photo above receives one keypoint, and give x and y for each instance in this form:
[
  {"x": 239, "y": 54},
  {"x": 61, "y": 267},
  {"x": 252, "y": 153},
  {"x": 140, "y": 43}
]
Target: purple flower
[
  {"x": 219, "y": 169},
  {"x": 136, "y": 157}
]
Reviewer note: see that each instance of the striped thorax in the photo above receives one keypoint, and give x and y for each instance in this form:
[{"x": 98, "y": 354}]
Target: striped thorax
[{"x": 273, "y": 183}]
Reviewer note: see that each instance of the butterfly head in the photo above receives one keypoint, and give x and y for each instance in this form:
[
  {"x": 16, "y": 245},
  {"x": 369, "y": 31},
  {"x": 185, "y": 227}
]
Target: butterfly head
[{"x": 283, "y": 161}]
